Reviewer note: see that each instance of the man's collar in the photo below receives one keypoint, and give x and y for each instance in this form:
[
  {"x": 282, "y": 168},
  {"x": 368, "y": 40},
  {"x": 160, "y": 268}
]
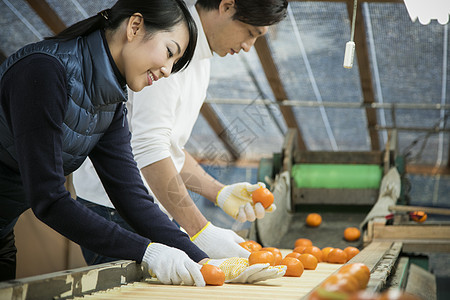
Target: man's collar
[{"x": 202, "y": 49}]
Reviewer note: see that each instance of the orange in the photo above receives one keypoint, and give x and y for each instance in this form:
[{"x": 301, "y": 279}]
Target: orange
[
  {"x": 213, "y": 275},
  {"x": 418, "y": 216},
  {"x": 264, "y": 196},
  {"x": 351, "y": 234},
  {"x": 309, "y": 261},
  {"x": 293, "y": 254},
  {"x": 358, "y": 270},
  {"x": 251, "y": 246},
  {"x": 299, "y": 249},
  {"x": 313, "y": 220},
  {"x": 261, "y": 257},
  {"x": 325, "y": 252},
  {"x": 351, "y": 252},
  {"x": 340, "y": 282},
  {"x": 314, "y": 251},
  {"x": 276, "y": 252},
  {"x": 337, "y": 256},
  {"x": 303, "y": 242},
  {"x": 294, "y": 266}
]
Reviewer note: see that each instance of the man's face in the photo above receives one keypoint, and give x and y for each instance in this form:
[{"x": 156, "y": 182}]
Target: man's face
[{"x": 229, "y": 36}]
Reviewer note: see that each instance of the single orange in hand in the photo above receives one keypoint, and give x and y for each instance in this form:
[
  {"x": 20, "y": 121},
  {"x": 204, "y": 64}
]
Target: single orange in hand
[
  {"x": 351, "y": 252},
  {"x": 314, "y": 251},
  {"x": 358, "y": 270},
  {"x": 276, "y": 252},
  {"x": 251, "y": 246},
  {"x": 293, "y": 254},
  {"x": 261, "y": 257},
  {"x": 213, "y": 275},
  {"x": 294, "y": 266},
  {"x": 309, "y": 261},
  {"x": 264, "y": 196},
  {"x": 325, "y": 252},
  {"x": 303, "y": 242},
  {"x": 313, "y": 220},
  {"x": 351, "y": 234},
  {"x": 337, "y": 256}
]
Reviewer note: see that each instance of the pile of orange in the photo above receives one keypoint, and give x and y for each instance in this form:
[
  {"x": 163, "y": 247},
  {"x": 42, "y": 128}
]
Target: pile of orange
[{"x": 304, "y": 256}]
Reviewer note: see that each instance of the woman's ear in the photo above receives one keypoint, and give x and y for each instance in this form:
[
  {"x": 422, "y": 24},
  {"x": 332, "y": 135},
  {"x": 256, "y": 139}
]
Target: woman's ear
[
  {"x": 226, "y": 6},
  {"x": 135, "y": 26}
]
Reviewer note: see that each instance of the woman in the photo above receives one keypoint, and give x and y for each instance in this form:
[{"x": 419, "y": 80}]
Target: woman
[{"x": 63, "y": 99}]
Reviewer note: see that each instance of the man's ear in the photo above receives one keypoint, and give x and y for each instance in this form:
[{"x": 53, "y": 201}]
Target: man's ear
[
  {"x": 226, "y": 6},
  {"x": 135, "y": 25}
]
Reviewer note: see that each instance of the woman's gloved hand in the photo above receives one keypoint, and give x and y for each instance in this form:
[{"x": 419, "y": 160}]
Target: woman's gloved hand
[
  {"x": 236, "y": 200},
  {"x": 171, "y": 265},
  {"x": 219, "y": 242}
]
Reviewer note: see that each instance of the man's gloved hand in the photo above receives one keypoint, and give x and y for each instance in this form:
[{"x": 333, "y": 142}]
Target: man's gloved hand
[
  {"x": 238, "y": 270},
  {"x": 171, "y": 265},
  {"x": 236, "y": 200},
  {"x": 219, "y": 242}
]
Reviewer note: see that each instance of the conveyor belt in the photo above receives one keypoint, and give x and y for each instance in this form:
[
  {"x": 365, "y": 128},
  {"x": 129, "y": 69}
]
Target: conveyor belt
[{"x": 280, "y": 288}]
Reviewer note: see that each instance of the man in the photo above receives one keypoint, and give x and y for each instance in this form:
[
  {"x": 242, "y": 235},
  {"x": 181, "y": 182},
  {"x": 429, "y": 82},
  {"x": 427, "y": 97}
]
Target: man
[{"x": 161, "y": 120}]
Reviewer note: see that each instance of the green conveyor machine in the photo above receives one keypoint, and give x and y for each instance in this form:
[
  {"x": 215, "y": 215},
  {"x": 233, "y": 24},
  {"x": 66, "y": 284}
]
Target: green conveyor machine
[{"x": 327, "y": 177}]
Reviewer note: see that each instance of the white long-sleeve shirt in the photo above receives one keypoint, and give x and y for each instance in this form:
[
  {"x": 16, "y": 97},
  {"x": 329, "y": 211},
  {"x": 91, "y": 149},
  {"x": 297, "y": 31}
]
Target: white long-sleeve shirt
[{"x": 161, "y": 118}]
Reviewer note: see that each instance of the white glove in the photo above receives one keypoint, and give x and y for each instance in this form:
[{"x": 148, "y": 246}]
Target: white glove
[
  {"x": 171, "y": 265},
  {"x": 219, "y": 242},
  {"x": 237, "y": 270},
  {"x": 236, "y": 200}
]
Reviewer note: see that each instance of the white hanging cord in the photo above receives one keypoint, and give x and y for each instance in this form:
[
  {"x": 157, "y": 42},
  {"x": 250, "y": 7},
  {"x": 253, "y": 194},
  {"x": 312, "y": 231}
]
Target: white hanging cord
[{"x": 350, "y": 46}]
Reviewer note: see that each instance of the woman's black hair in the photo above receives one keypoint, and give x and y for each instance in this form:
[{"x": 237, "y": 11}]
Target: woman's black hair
[
  {"x": 253, "y": 12},
  {"x": 159, "y": 15}
]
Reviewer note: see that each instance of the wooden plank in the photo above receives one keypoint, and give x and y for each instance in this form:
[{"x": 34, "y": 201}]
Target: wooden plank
[
  {"x": 48, "y": 15},
  {"x": 365, "y": 75},
  {"x": 426, "y": 246},
  {"x": 430, "y": 210},
  {"x": 214, "y": 121},
  {"x": 411, "y": 232},
  {"x": 273, "y": 77},
  {"x": 428, "y": 169},
  {"x": 421, "y": 283},
  {"x": 383, "y": 269},
  {"x": 372, "y": 254}
]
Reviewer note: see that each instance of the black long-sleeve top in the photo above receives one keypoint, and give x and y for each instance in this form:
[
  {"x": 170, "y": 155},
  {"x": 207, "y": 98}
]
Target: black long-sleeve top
[{"x": 34, "y": 95}]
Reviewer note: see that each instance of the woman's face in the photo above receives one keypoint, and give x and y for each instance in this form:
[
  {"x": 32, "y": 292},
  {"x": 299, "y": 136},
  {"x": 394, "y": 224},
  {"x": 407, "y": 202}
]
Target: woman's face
[{"x": 145, "y": 60}]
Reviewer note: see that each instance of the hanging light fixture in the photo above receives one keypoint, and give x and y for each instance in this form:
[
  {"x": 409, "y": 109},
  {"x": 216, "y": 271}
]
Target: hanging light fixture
[{"x": 427, "y": 10}]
